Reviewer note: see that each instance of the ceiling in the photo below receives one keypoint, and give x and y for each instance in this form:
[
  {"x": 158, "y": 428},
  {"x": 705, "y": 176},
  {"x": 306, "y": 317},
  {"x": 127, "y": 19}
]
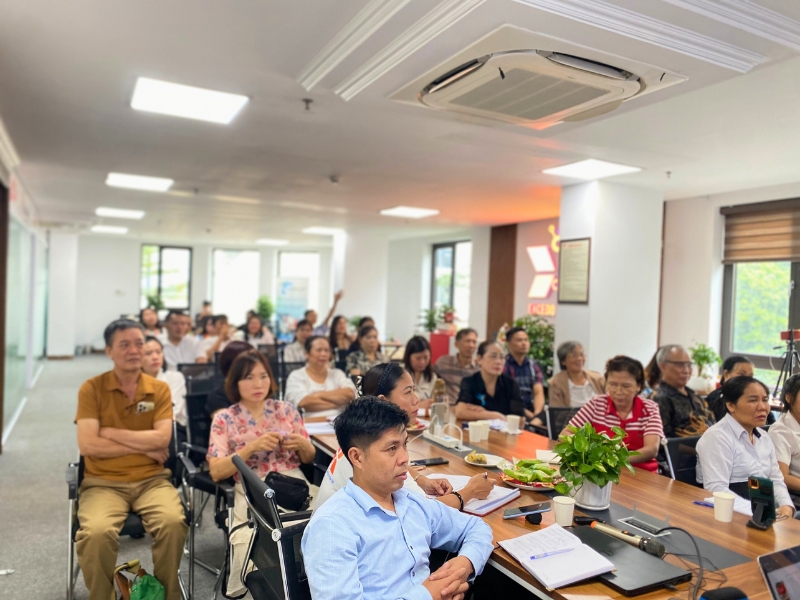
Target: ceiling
[{"x": 67, "y": 71}]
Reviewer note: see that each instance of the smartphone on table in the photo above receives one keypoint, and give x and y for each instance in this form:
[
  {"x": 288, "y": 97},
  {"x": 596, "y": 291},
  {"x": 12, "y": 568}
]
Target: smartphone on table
[
  {"x": 522, "y": 511},
  {"x": 762, "y": 492},
  {"x": 429, "y": 462}
]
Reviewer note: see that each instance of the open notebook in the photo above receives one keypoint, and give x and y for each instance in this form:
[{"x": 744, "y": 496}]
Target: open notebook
[
  {"x": 498, "y": 497},
  {"x": 571, "y": 560}
]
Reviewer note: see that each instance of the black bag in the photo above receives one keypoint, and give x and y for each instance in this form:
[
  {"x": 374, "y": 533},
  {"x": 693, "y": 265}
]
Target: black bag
[{"x": 291, "y": 493}]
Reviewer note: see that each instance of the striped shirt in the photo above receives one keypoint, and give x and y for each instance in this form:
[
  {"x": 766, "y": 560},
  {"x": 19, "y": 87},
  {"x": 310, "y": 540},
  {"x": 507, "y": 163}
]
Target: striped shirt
[
  {"x": 449, "y": 369},
  {"x": 643, "y": 420}
]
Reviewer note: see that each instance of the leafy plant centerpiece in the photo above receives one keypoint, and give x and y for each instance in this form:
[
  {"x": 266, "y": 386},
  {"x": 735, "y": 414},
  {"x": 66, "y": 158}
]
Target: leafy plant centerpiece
[
  {"x": 587, "y": 455},
  {"x": 704, "y": 356}
]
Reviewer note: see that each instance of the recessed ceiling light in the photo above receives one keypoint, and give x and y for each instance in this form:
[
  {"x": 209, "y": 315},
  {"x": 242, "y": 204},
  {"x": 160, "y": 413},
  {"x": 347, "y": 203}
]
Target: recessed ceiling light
[
  {"x": 109, "y": 229},
  {"x": 139, "y": 182},
  {"x": 409, "y": 212},
  {"x": 591, "y": 169},
  {"x": 322, "y": 231},
  {"x": 271, "y": 242},
  {"x": 163, "y": 97},
  {"x": 118, "y": 213}
]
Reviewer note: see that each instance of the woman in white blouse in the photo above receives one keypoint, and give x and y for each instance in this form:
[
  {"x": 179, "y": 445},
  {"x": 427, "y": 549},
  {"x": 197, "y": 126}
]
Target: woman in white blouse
[
  {"x": 785, "y": 434},
  {"x": 255, "y": 333},
  {"x": 736, "y": 448},
  {"x": 153, "y": 365},
  {"x": 318, "y": 389}
]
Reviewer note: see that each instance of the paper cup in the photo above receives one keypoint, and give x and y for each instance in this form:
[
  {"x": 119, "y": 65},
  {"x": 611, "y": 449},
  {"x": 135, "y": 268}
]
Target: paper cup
[
  {"x": 474, "y": 431},
  {"x": 564, "y": 507},
  {"x": 723, "y": 506},
  {"x": 513, "y": 423},
  {"x": 484, "y": 430}
]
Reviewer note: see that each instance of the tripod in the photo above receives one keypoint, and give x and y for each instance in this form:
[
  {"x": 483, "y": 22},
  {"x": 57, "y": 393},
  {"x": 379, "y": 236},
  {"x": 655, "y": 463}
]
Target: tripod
[{"x": 791, "y": 362}]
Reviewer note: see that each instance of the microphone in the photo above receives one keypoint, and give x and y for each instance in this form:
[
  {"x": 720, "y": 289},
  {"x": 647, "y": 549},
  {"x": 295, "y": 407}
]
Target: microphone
[{"x": 649, "y": 545}]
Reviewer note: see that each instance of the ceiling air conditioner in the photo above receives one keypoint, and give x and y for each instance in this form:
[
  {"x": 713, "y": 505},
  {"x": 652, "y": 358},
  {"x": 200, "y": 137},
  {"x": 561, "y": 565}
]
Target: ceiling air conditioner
[{"x": 531, "y": 88}]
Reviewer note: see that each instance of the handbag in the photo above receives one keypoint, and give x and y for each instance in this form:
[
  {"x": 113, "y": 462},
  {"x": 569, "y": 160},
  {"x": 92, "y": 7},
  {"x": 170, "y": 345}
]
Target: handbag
[
  {"x": 291, "y": 493},
  {"x": 142, "y": 587}
]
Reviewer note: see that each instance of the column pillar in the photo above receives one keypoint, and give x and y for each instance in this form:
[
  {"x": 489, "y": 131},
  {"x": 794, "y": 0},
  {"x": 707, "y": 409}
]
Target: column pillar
[
  {"x": 364, "y": 275},
  {"x": 62, "y": 292}
]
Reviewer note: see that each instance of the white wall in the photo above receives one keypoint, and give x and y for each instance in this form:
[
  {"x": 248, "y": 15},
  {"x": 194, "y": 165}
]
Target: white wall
[
  {"x": 62, "y": 294},
  {"x": 625, "y": 225},
  {"x": 691, "y": 296},
  {"x": 366, "y": 269}
]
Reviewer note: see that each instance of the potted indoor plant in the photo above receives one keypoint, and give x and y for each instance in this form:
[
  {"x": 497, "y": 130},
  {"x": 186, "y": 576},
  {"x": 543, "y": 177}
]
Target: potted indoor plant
[
  {"x": 428, "y": 320},
  {"x": 704, "y": 357},
  {"x": 589, "y": 462}
]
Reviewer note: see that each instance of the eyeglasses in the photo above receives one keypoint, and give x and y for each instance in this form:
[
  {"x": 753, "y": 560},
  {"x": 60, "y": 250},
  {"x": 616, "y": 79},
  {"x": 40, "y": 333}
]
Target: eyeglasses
[
  {"x": 494, "y": 356},
  {"x": 680, "y": 365},
  {"x": 625, "y": 387}
]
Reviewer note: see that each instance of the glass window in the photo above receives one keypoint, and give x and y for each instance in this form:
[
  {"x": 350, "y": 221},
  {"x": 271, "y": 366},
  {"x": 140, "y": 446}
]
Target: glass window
[
  {"x": 166, "y": 275},
  {"x": 17, "y": 317},
  {"x": 302, "y": 265},
  {"x": 236, "y": 275},
  {"x": 450, "y": 278},
  {"x": 760, "y": 306}
]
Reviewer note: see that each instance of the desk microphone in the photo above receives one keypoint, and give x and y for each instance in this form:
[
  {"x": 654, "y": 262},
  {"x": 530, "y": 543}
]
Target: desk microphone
[{"x": 649, "y": 545}]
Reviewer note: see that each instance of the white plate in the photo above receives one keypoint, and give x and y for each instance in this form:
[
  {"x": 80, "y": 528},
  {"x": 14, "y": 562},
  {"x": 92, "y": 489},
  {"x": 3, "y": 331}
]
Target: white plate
[{"x": 491, "y": 461}]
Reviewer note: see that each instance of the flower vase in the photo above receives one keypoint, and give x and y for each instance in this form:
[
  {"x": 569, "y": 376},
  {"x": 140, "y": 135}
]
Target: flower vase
[{"x": 591, "y": 496}]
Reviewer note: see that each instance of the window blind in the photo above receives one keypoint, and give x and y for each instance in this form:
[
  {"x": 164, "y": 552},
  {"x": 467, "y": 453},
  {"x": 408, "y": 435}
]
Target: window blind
[{"x": 762, "y": 232}]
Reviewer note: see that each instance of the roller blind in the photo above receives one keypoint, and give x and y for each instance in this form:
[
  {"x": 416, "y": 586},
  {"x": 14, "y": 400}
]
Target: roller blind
[{"x": 762, "y": 232}]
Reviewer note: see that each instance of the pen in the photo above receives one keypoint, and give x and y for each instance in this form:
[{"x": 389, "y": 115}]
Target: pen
[
  {"x": 703, "y": 503},
  {"x": 553, "y": 553}
]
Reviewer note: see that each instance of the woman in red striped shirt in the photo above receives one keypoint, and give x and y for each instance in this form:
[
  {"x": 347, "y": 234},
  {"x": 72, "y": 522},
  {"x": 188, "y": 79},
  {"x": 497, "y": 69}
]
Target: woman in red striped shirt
[{"x": 622, "y": 406}]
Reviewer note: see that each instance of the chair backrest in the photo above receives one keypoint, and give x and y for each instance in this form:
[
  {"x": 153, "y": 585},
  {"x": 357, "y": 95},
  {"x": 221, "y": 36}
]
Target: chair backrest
[
  {"x": 340, "y": 355},
  {"x": 681, "y": 456},
  {"x": 557, "y": 418},
  {"x": 198, "y": 423},
  {"x": 288, "y": 367},
  {"x": 270, "y": 351},
  {"x": 275, "y": 549},
  {"x": 341, "y": 365},
  {"x": 200, "y": 377}
]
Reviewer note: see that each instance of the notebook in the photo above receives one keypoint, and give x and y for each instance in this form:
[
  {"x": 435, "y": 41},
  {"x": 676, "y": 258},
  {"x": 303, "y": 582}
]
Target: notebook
[
  {"x": 571, "y": 562},
  {"x": 498, "y": 497}
]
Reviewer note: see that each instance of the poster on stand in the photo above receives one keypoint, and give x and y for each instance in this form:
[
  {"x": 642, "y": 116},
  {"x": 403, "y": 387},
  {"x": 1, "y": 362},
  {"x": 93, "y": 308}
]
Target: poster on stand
[{"x": 291, "y": 304}]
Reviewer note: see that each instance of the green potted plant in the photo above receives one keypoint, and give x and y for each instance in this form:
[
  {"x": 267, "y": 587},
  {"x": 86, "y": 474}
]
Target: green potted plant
[
  {"x": 265, "y": 308},
  {"x": 428, "y": 320},
  {"x": 704, "y": 357},
  {"x": 589, "y": 462},
  {"x": 155, "y": 302},
  {"x": 541, "y": 334}
]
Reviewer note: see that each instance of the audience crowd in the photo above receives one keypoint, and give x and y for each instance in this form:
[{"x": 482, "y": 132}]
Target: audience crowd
[{"x": 264, "y": 391}]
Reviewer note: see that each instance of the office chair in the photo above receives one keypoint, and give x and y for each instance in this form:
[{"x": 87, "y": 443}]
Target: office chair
[
  {"x": 200, "y": 377},
  {"x": 681, "y": 455},
  {"x": 558, "y": 417}
]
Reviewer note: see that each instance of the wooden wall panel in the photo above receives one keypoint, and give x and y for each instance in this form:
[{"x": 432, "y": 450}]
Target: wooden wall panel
[{"x": 502, "y": 268}]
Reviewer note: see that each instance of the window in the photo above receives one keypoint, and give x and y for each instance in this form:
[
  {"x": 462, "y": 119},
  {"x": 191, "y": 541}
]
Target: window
[
  {"x": 450, "y": 278},
  {"x": 235, "y": 282},
  {"x": 166, "y": 274},
  {"x": 758, "y": 306},
  {"x": 302, "y": 265}
]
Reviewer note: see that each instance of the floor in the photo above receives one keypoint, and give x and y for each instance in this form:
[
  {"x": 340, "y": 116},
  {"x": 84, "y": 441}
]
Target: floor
[{"x": 33, "y": 493}]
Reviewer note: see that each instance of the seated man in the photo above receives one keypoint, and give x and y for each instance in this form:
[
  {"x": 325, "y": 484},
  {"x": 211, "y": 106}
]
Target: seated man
[
  {"x": 683, "y": 412},
  {"x": 527, "y": 373},
  {"x": 456, "y": 367},
  {"x": 124, "y": 429},
  {"x": 180, "y": 348},
  {"x": 373, "y": 538}
]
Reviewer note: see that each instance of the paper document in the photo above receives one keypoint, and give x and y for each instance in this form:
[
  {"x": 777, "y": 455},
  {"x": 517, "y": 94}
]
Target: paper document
[
  {"x": 323, "y": 428},
  {"x": 570, "y": 560},
  {"x": 740, "y": 505},
  {"x": 499, "y": 496}
]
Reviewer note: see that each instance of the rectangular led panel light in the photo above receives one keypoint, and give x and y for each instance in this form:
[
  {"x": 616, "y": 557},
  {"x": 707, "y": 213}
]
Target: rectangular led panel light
[
  {"x": 409, "y": 212},
  {"x": 271, "y": 242},
  {"x": 322, "y": 231},
  {"x": 109, "y": 229},
  {"x": 139, "y": 182},
  {"x": 591, "y": 169},
  {"x": 118, "y": 213},
  {"x": 163, "y": 97}
]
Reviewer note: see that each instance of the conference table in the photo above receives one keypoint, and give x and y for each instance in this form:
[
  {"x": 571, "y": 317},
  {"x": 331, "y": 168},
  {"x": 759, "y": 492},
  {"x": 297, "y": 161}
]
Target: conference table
[{"x": 653, "y": 494}]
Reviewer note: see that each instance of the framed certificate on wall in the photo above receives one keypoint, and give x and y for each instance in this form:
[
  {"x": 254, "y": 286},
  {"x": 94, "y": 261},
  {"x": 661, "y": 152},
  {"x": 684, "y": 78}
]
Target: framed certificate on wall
[{"x": 573, "y": 271}]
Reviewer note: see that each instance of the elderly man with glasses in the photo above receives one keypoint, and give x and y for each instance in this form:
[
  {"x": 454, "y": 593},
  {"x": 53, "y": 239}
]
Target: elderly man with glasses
[{"x": 683, "y": 412}]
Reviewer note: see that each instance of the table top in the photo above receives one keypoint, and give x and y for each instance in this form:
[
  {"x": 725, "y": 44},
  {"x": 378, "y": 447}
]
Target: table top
[{"x": 653, "y": 494}]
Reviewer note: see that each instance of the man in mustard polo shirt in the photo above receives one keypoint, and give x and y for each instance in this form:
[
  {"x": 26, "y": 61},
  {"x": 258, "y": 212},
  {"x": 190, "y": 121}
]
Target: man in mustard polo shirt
[{"x": 124, "y": 429}]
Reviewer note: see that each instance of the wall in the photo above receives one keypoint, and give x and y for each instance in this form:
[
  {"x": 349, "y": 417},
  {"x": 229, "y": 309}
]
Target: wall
[
  {"x": 691, "y": 296},
  {"x": 502, "y": 272},
  {"x": 530, "y": 234},
  {"x": 62, "y": 294},
  {"x": 366, "y": 266}
]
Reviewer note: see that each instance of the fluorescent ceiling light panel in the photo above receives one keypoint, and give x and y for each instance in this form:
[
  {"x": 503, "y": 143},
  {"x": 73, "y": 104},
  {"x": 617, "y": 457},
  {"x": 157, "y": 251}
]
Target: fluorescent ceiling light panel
[
  {"x": 139, "y": 182},
  {"x": 163, "y": 97},
  {"x": 322, "y": 231},
  {"x": 591, "y": 169},
  {"x": 109, "y": 229},
  {"x": 118, "y": 213},
  {"x": 271, "y": 242},
  {"x": 409, "y": 212}
]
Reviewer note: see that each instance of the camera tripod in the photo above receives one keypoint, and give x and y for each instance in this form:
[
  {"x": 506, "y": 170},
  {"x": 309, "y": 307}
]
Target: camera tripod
[{"x": 791, "y": 363}]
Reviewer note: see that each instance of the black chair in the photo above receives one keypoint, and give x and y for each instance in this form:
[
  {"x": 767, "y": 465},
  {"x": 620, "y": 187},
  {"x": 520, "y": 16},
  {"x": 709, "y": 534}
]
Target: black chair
[
  {"x": 558, "y": 417},
  {"x": 200, "y": 377},
  {"x": 133, "y": 527},
  {"x": 275, "y": 547},
  {"x": 286, "y": 370},
  {"x": 341, "y": 365},
  {"x": 681, "y": 455}
]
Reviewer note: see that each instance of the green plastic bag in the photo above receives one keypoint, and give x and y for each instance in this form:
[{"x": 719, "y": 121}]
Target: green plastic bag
[{"x": 147, "y": 587}]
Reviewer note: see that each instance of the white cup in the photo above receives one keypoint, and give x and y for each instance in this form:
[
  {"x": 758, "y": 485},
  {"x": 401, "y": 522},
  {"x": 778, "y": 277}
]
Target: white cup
[
  {"x": 564, "y": 507},
  {"x": 723, "y": 506},
  {"x": 474, "y": 431},
  {"x": 484, "y": 430},
  {"x": 513, "y": 423}
]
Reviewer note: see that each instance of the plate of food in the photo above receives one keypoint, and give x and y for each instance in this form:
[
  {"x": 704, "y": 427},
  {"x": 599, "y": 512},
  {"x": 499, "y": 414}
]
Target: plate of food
[
  {"x": 418, "y": 425},
  {"x": 529, "y": 474},
  {"x": 483, "y": 460}
]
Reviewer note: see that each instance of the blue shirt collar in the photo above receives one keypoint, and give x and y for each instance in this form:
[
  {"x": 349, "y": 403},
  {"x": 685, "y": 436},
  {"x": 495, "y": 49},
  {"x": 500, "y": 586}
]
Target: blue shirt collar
[{"x": 368, "y": 503}]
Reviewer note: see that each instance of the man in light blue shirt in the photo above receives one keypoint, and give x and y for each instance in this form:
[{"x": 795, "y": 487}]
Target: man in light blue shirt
[{"x": 372, "y": 538}]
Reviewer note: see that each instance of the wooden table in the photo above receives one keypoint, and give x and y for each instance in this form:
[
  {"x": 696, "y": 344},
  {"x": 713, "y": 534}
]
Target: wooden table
[{"x": 655, "y": 495}]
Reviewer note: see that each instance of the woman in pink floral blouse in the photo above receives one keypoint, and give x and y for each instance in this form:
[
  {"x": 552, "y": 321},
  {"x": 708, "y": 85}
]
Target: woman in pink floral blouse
[{"x": 267, "y": 434}]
